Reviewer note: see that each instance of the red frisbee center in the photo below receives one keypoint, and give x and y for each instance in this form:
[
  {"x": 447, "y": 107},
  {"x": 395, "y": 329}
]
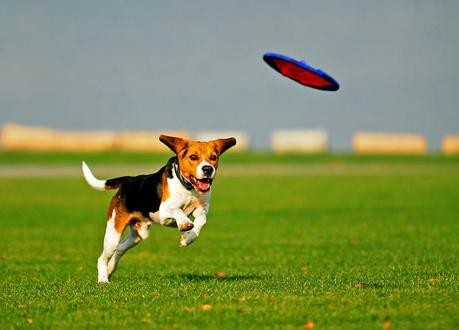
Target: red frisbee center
[{"x": 299, "y": 74}]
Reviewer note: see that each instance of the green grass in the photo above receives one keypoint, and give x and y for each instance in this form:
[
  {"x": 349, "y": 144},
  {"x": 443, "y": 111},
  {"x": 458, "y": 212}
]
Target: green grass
[
  {"x": 344, "y": 251},
  {"x": 259, "y": 157}
]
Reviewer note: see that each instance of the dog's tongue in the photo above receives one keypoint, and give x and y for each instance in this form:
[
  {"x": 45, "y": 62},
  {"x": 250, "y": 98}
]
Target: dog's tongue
[{"x": 203, "y": 185}]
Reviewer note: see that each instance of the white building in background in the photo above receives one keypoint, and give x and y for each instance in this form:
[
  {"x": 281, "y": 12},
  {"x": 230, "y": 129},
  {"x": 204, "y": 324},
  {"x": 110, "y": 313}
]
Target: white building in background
[
  {"x": 30, "y": 138},
  {"x": 23, "y": 137},
  {"x": 450, "y": 144},
  {"x": 242, "y": 139},
  {"x": 302, "y": 140},
  {"x": 145, "y": 141},
  {"x": 388, "y": 143}
]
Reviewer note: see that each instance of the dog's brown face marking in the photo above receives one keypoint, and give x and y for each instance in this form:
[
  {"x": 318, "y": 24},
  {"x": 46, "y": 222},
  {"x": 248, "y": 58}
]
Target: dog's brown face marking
[{"x": 192, "y": 153}]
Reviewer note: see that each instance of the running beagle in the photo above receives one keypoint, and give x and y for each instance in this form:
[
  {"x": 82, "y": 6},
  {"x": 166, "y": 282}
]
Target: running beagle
[{"x": 168, "y": 197}]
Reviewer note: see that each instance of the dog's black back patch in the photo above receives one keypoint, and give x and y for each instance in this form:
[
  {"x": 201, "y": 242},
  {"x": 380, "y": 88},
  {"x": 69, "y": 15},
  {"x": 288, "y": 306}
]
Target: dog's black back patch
[{"x": 142, "y": 193}]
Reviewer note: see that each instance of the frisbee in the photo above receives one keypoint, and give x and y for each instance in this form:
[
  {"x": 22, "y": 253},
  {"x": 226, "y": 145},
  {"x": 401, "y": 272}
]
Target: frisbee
[{"x": 301, "y": 72}]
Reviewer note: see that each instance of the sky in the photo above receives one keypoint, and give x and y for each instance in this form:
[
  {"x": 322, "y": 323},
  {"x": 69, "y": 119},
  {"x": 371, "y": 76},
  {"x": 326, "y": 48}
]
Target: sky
[{"x": 197, "y": 65}]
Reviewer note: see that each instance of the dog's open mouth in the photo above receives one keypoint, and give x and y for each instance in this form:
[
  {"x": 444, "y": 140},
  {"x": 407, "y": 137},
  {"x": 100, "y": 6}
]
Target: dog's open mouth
[{"x": 201, "y": 185}]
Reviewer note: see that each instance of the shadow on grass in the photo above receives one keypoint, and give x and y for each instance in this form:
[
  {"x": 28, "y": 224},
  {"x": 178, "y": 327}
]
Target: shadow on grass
[
  {"x": 374, "y": 285},
  {"x": 206, "y": 277}
]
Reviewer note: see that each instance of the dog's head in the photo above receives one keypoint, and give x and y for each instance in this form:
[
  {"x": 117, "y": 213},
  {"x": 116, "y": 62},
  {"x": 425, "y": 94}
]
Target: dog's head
[{"x": 198, "y": 160}]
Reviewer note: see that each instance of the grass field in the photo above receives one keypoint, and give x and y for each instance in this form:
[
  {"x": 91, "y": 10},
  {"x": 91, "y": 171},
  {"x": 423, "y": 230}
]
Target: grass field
[{"x": 325, "y": 249}]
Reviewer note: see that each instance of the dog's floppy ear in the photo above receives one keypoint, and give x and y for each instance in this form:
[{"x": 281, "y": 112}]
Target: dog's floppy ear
[
  {"x": 222, "y": 145},
  {"x": 176, "y": 144}
]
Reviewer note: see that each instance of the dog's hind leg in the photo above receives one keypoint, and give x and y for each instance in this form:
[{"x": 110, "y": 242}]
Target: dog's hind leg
[
  {"x": 131, "y": 240},
  {"x": 111, "y": 241}
]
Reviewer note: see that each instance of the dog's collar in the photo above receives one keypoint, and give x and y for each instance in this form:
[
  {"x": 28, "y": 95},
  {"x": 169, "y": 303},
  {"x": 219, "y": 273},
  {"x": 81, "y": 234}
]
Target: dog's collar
[{"x": 182, "y": 180}]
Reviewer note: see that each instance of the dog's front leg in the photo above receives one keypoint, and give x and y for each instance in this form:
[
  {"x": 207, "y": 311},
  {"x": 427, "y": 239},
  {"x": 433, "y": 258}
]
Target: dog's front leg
[
  {"x": 200, "y": 218},
  {"x": 183, "y": 222}
]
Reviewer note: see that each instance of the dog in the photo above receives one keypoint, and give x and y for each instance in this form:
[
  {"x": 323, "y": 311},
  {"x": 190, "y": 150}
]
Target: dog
[{"x": 168, "y": 197}]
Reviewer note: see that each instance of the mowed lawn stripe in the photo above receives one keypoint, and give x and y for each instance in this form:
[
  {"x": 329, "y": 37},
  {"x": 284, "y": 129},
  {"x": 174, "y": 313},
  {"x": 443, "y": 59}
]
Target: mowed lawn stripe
[{"x": 237, "y": 170}]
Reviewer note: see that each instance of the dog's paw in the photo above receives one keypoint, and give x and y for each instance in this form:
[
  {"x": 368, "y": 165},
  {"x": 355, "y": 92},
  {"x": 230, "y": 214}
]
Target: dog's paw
[
  {"x": 187, "y": 238},
  {"x": 143, "y": 228},
  {"x": 186, "y": 226},
  {"x": 102, "y": 280},
  {"x": 169, "y": 222}
]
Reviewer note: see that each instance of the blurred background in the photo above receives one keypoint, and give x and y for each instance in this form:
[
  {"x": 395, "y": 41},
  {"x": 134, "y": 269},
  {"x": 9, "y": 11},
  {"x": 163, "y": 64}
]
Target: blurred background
[{"x": 197, "y": 66}]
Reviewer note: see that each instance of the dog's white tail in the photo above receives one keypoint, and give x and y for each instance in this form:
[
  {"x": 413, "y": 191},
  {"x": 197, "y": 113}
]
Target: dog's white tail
[{"x": 92, "y": 180}]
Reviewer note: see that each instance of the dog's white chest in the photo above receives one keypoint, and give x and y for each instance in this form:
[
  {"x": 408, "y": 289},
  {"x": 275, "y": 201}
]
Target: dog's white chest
[{"x": 181, "y": 198}]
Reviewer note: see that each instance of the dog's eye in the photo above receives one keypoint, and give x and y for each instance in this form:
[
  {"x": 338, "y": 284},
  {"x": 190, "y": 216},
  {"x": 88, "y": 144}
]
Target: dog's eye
[
  {"x": 194, "y": 157},
  {"x": 213, "y": 157}
]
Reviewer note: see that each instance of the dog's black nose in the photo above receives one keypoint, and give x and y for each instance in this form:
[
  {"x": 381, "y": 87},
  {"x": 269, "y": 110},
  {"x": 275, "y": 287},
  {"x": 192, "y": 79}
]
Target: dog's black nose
[{"x": 207, "y": 169}]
